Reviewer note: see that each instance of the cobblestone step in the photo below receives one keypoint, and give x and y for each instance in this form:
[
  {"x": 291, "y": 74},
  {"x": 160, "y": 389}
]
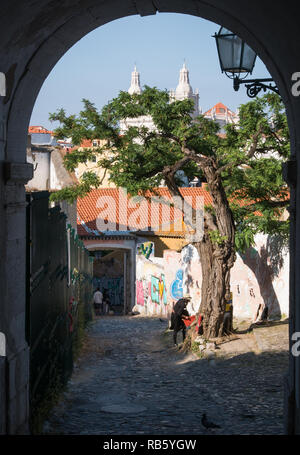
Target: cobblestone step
[
  {"x": 130, "y": 380},
  {"x": 272, "y": 338}
]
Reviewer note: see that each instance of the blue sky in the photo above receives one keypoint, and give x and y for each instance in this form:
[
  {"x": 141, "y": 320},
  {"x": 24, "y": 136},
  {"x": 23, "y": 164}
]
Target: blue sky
[{"x": 99, "y": 65}]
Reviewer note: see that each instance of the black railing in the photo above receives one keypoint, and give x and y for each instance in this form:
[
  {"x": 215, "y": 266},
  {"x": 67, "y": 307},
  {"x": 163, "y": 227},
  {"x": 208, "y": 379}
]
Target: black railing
[{"x": 59, "y": 300}]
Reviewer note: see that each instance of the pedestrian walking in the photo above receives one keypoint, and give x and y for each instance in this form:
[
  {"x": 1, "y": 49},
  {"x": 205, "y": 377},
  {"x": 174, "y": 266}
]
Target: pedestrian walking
[
  {"x": 177, "y": 317},
  {"x": 98, "y": 301},
  {"x": 106, "y": 301}
]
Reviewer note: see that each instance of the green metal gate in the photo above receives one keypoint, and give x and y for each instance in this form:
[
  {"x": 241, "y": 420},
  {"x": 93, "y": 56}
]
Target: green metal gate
[{"x": 59, "y": 300}]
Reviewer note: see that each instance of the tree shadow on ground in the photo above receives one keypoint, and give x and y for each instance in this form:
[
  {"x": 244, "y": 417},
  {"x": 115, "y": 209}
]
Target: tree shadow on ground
[
  {"x": 258, "y": 325},
  {"x": 266, "y": 264},
  {"x": 248, "y": 387}
]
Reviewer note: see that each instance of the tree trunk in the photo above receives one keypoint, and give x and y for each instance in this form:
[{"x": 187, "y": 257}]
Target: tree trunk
[
  {"x": 215, "y": 286},
  {"x": 217, "y": 258}
]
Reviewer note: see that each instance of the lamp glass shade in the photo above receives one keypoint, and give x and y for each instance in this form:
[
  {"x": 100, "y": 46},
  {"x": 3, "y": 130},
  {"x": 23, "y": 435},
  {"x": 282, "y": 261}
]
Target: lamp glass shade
[{"x": 235, "y": 55}]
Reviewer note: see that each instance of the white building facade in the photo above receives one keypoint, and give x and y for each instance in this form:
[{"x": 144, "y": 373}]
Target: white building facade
[
  {"x": 182, "y": 92},
  {"x": 218, "y": 113}
]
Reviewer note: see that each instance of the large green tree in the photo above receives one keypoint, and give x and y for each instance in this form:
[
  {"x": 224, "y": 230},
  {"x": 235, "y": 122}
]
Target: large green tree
[{"x": 242, "y": 165}]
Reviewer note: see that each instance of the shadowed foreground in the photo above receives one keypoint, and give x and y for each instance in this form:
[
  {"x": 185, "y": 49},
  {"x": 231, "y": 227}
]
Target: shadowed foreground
[{"x": 130, "y": 380}]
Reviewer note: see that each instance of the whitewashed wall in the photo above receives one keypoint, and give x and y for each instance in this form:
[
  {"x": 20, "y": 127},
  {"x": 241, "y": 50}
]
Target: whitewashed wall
[
  {"x": 41, "y": 166},
  {"x": 259, "y": 276}
]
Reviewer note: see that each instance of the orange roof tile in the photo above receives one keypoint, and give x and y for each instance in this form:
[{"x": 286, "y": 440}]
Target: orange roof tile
[
  {"x": 113, "y": 205},
  {"x": 39, "y": 129},
  {"x": 86, "y": 143},
  {"x": 124, "y": 214},
  {"x": 220, "y": 109}
]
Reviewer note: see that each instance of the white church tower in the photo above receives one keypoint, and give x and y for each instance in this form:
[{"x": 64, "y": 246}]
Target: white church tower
[
  {"x": 184, "y": 90},
  {"x": 144, "y": 120},
  {"x": 135, "y": 86}
]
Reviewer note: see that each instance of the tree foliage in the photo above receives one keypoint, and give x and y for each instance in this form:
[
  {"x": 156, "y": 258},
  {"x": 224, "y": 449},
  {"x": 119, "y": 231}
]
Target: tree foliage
[
  {"x": 242, "y": 169},
  {"x": 248, "y": 158}
]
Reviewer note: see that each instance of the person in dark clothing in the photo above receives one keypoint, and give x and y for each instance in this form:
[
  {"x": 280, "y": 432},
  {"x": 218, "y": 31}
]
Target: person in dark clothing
[
  {"x": 106, "y": 301},
  {"x": 178, "y": 315}
]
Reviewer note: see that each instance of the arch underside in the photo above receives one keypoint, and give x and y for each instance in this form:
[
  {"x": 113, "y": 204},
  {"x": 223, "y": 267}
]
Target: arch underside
[
  {"x": 34, "y": 35},
  {"x": 47, "y": 29}
]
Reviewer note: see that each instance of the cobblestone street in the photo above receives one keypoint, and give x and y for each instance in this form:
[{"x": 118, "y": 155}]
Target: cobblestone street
[{"x": 130, "y": 380}]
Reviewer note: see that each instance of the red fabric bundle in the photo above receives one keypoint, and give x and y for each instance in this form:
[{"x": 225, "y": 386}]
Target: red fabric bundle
[{"x": 189, "y": 320}]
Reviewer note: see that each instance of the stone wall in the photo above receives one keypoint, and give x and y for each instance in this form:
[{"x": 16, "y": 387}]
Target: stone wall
[
  {"x": 3, "y": 422},
  {"x": 261, "y": 275},
  {"x": 41, "y": 165},
  {"x": 32, "y": 43},
  {"x": 151, "y": 287}
]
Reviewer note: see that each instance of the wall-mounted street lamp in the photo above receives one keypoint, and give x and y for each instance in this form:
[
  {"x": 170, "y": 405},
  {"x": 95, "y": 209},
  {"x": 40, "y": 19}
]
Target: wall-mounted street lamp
[{"x": 237, "y": 60}]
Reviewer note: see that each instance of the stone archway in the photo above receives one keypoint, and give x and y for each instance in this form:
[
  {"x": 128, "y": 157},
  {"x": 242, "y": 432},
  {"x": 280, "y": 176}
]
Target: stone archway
[
  {"x": 34, "y": 35},
  {"x": 129, "y": 265}
]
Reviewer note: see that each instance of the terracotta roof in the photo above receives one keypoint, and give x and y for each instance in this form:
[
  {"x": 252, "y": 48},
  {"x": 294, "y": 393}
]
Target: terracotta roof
[
  {"x": 86, "y": 143},
  {"x": 39, "y": 129},
  {"x": 112, "y": 205},
  {"x": 220, "y": 109}
]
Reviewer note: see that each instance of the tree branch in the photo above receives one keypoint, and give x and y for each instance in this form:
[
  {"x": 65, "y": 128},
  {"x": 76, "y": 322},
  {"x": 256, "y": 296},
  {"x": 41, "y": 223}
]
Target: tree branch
[
  {"x": 253, "y": 149},
  {"x": 279, "y": 204},
  {"x": 202, "y": 160},
  {"x": 169, "y": 171}
]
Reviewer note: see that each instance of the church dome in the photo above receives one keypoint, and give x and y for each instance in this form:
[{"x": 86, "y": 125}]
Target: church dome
[
  {"x": 135, "y": 86},
  {"x": 183, "y": 89}
]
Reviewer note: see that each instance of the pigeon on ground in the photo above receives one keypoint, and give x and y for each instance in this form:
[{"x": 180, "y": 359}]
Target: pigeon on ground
[
  {"x": 161, "y": 320},
  {"x": 207, "y": 424}
]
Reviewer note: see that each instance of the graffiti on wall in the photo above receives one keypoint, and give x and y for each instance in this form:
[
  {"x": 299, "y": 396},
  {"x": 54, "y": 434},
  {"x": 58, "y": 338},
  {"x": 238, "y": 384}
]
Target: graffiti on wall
[
  {"x": 176, "y": 287},
  {"x": 114, "y": 287},
  {"x": 254, "y": 280},
  {"x": 151, "y": 292},
  {"x": 151, "y": 286},
  {"x": 158, "y": 289},
  {"x": 145, "y": 249},
  {"x": 140, "y": 298},
  {"x": 143, "y": 292}
]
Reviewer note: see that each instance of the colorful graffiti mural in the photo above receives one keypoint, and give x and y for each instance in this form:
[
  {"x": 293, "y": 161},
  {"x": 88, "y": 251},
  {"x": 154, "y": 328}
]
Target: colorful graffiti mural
[
  {"x": 140, "y": 293},
  {"x": 146, "y": 249},
  {"x": 114, "y": 286},
  {"x": 176, "y": 287},
  {"x": 259, "y": 276},
  {"x": 151, "y": 287},
  {"x": 158, "y": 289},
  {"x": 151, "y": 292}
]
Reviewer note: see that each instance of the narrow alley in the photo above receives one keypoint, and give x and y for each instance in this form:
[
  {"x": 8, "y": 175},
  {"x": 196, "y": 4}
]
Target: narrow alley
[{"x": 130, "y": 380}]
